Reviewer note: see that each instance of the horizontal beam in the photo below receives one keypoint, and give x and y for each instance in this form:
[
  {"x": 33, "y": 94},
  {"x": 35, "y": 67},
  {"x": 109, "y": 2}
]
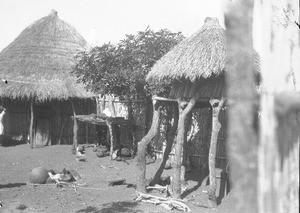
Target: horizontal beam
[{"x": 175, "y": 100}]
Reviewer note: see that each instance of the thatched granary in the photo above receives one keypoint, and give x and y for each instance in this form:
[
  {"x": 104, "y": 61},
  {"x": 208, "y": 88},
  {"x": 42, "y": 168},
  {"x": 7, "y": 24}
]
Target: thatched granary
[
  {"x": 197, "y": 66},
  {"x": 37, "y": 66},
  {"x": 196, "y": 69}
]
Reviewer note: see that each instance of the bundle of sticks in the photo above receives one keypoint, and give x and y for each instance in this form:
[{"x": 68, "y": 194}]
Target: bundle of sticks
[{"x": 167, "y": 203}]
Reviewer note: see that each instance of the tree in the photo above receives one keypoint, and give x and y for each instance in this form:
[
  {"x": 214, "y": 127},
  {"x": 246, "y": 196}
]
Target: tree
[{"x": 121, "y": 69}]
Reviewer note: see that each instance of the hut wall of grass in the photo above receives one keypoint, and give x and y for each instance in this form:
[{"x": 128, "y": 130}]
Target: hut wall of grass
[
  {"x": 198, "y": 139},
  {"x": 17, "y": 120},
  {"x": 62, "y": 118},
  {"x": 210, "y": 88}
]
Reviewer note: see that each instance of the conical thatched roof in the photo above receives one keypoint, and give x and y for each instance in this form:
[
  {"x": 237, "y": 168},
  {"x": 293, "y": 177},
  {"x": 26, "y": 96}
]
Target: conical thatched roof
[
  {"x": 37, "y": 64},
  {"x": 201, "y": 55}
]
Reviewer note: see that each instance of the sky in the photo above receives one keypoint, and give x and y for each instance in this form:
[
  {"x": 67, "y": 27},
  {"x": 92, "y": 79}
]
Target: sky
[{"x": 102, "y": 21}]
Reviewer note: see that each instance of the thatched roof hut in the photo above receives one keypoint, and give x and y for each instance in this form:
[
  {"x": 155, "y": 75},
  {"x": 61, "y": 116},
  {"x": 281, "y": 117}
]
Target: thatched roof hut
[
  {"x": 37, "y": 64},
  {"x": 197, "y": 64},
  {"x": 196, "y": 69}
]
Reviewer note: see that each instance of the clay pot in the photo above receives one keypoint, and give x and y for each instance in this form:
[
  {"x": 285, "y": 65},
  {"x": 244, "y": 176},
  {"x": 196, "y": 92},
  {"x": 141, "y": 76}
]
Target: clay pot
[
  {"x": 38, "y": 175},
  {"x": 100, "y": 154},
  {"x": 125, "y": 152}
]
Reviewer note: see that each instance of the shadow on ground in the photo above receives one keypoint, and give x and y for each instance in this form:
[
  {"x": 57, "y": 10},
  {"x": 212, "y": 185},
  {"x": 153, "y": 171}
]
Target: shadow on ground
[
  {"x": 11, "y": 185},
  {"x": 115, "y": 207},
  {"x": 191, "y": 190},
  {"x": 7, "y": 141}
]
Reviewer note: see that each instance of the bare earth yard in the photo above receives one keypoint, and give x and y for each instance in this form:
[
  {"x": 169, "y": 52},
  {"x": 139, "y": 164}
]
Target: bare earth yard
[{"x": 16, "y": 195}]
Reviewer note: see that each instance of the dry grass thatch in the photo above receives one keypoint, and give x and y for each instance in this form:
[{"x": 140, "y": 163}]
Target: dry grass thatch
[
  {"x": 200, "y": 55},
  {"x": 37, "y": 64}
]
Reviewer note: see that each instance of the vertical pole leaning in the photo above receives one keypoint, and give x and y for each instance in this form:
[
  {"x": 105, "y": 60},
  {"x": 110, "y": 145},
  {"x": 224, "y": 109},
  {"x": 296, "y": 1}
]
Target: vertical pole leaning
[
  {"x": 31, "y": 124},
  {"x": 75, "y": 126},
  {"x": 184, "y": 110},
  {"x": 142, "y": 146}
]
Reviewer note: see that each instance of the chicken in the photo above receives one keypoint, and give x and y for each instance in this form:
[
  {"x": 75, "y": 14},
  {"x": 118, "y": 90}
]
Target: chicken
[
  {"x": 62, "y": 177},
  {"x": 80, "y": 156}
]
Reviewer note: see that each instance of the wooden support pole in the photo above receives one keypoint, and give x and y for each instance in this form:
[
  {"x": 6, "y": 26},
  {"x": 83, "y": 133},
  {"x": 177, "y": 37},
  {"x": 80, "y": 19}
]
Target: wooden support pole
[
  {"x": 142, "y": 145},
  {"x": 86, "y": 133},
  {"x": 240, "y": 76},
  {"x": 31, "y": 124},
  {"x": 111, "y": 136},
  {"x": 97, "y": 105},
  {"x": 171, "y": 131},
  {"x": 216, "y": 126},
  {"x": 61, "y": 131},
  {"x": 277, "y": 39},
  {"x": 184, "y": 110},
  {"x": 75, "y": 126}
]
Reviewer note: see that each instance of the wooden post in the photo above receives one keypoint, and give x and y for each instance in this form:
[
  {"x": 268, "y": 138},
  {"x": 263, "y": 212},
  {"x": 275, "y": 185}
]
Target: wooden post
[
  {"x": 111, "y": 136},
  {"x": 1, "y": 120},
  {"x": 97, "y": 105},
  {"x": 216, "y": 126},
  {"x": 75, "y": 126},
  {"x": 171, "y": 131},
  {"x": 242, "y": 138},
  {"x": 142, "y": 145},
  {"x": 184, "y": 110},
  {"x": 31, "y": 124},
  {"x": 61, "y": 131},
  {"x": 277, "y": 39},
  {"x": 86, "y": 133}
]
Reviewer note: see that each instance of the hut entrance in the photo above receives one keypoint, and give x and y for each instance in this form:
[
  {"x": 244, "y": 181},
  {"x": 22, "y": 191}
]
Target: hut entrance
[{"x": 42, "y": 134}]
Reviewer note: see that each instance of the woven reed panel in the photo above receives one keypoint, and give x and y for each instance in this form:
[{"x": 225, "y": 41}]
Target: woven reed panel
[{"x": 198, "y": 138}]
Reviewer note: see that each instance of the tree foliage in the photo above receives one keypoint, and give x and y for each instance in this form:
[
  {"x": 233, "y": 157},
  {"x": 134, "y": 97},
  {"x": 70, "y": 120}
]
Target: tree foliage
[{"x": 121, "y": 69}]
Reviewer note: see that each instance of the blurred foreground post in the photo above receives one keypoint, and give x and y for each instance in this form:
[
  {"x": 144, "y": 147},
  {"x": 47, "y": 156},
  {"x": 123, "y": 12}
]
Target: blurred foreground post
[
  {"x": 242, "y": 139},
  {"x": 276, "y": 38}
]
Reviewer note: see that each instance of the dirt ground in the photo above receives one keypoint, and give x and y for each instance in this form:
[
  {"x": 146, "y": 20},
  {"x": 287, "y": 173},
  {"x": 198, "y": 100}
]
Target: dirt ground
[{"x": 17, "y": 195}]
